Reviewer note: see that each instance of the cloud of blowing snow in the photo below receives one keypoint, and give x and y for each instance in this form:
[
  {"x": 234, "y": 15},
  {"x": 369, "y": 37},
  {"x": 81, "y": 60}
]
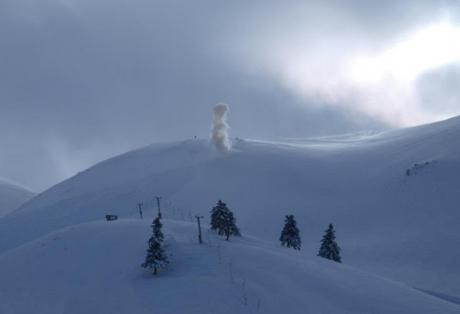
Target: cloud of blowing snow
[{"x": 219, "y": 133}]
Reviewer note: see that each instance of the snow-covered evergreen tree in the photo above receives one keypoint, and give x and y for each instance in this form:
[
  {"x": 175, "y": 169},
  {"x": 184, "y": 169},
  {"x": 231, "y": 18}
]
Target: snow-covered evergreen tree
[
  {"x": 216, "y": 215},
  {"x": 229, "y": 225},
  {"x": 156, "y": 257},
  {"x": 156, "y": 227},
  {"x": 223, "y": 221},
  {"x": 290, "y": 236},
  {"x": 329, "y": 248}
]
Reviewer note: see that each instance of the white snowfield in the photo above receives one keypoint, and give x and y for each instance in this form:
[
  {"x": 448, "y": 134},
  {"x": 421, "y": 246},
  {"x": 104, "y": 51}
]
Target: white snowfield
[
  {"x": 94, "y": 268},
  {"x": 12, "y": 196},
  {"x": 391, "y": 225}
]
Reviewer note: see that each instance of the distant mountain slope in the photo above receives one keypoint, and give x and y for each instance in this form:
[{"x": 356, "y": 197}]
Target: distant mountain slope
[
  {"x": 401, "y": 226},
  {"x": 12, "y": 196},
  {"x": 95, "y": 268}
]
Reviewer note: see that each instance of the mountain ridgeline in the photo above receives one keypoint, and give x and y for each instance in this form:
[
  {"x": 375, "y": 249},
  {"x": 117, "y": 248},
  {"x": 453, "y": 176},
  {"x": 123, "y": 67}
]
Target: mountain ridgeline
[{"x": 388, "y": 223}]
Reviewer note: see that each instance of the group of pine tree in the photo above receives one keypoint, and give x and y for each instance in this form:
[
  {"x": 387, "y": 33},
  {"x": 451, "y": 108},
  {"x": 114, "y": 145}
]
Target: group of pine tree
[
  {"x": 224, "y": 223},
  {"x": 290, "y": 237}
]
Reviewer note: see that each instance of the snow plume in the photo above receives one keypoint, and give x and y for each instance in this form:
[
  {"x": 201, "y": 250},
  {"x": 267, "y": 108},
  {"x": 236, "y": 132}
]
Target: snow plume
[{"x": 220, "y": 128}]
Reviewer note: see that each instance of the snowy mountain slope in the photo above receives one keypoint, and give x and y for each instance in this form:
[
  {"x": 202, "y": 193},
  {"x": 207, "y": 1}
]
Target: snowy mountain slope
[
  {"x": 95, "y": 268},
  {"x": 398, "y": 226},
  {"x": 12, "y": 196}
]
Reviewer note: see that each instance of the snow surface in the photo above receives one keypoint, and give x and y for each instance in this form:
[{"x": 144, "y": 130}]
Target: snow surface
[
  {"x": 12, "y": 196},
  {"x": 404, "y": 228},
  {"x": 95, "y": 268}
]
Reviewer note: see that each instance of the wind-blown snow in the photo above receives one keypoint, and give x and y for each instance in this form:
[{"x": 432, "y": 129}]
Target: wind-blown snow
[
  {"x": 219, "y": 134},
  {"x": 401, "y": 227}
]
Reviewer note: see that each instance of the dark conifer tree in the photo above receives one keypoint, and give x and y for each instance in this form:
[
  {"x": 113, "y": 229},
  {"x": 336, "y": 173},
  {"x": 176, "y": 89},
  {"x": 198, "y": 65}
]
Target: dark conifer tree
[
  {"x": 217, "y": 213},
  {"x": 229, "y": 225},
  {"x": 329, "y": 248},
  {"x": 156, "y": 228},
  {"x": 156, "y": 257},
  {"x": 290, "y": 234},
  {"x": 223, "y": 221}
]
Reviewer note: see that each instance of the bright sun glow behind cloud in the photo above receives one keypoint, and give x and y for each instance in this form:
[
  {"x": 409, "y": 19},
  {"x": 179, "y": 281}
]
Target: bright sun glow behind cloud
[
  {"x": 424, "y": 50},
  {"x": 340, "y": 71}
]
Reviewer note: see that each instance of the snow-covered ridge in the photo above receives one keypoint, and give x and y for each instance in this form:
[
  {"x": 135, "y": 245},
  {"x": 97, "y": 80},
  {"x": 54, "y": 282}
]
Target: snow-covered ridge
[
  {"x": 12, "y": 196},
  {"x": 244, "y": 275},
  {"x": 387, "y": 223}
]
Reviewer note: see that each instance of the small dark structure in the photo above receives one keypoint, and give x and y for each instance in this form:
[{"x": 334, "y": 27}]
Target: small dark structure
[
  {"x": 111, "y": 217},
  {"x": 198, "y": 219}
]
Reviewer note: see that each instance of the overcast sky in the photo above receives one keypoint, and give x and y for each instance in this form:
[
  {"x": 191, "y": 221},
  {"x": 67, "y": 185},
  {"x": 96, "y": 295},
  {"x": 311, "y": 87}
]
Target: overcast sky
[{"x": 83, "y": 80}]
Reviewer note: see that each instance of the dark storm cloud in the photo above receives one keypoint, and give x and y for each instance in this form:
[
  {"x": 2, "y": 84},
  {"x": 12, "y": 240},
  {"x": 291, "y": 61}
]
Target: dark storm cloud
[{"x": 82, "y": 80}]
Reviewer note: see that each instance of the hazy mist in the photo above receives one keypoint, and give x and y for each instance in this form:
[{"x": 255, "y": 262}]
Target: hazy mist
[{"x": 83, "y": 80}]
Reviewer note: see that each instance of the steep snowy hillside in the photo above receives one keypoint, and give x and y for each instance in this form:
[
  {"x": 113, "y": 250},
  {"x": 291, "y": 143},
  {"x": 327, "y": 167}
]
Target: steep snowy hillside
[
  {"x": 392, "y": 196},
  {"x": 95, "y": 268},
  {"x": 12, "y": 196}
]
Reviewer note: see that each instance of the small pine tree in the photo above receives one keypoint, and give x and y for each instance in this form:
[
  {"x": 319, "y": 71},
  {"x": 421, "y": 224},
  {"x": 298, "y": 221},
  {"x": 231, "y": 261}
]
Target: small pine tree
[
  {"x": 156, "y": 228},
  {"x": 223, "y": 221},
  {"x": 290, "y": 234},
  {"x": 329, "y": 248},
  {"x": 216, "y": 215},
  {"x": 156, "y": 257}
]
